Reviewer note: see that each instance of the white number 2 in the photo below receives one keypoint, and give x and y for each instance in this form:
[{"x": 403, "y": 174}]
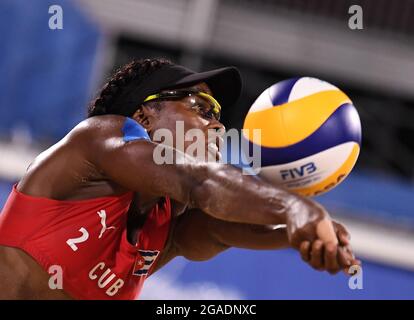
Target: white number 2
[{"x": 72, "y": 242}]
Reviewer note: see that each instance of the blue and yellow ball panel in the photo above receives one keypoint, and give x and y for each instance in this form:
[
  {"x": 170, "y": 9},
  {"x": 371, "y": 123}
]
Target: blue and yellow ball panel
[
  {"x": 279, "y": 93},
  {"x": 339, "y": 128},
  {"x": 292, "y": 122}
]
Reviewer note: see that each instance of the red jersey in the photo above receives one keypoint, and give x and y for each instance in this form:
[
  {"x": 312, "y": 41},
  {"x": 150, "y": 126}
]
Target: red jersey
[{"x": 87, "y": 239}]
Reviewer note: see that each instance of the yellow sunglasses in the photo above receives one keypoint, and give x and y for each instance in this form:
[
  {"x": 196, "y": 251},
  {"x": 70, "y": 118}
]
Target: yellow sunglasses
[{"x": 214, "y": 108}]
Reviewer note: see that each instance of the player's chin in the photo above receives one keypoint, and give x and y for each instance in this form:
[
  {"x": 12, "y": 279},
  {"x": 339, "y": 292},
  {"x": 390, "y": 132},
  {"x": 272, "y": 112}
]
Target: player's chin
[
  {"x": 213, "y": 154},
  {"x": 209, "y": 155}
]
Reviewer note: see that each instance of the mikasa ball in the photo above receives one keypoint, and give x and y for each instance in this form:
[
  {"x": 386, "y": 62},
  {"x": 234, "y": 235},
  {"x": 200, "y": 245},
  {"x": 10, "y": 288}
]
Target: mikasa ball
[{"x": 310, "y": 134}]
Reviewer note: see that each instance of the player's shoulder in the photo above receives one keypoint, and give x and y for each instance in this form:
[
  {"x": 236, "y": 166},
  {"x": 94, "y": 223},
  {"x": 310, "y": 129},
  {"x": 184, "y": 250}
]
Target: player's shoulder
[
  {"x": 109, "y": 125},
  {"x": 102, "y": 128}
]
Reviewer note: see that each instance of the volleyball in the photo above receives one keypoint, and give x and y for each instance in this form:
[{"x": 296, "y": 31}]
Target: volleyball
[{"x": 310, "y": 134}]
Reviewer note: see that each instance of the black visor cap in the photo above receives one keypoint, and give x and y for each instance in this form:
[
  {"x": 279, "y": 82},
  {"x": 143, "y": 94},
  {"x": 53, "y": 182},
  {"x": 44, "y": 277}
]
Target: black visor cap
[{"x": 225, "y": 84}]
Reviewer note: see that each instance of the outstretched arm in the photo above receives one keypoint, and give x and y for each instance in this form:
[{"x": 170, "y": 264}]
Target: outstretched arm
[
  {"x": 197, "y": 236},
  {"x": 219, "y": 190}
]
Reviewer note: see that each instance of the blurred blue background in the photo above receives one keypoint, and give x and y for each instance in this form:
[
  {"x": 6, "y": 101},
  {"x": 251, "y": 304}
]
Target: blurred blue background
[{"x": 49, "y": 76}]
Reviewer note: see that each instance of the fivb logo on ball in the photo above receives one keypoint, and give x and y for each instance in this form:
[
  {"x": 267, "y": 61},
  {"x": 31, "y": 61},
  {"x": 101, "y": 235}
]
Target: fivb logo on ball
[
  {"x": 299, "y": 172},
  {"x": 311, "y": 134}
]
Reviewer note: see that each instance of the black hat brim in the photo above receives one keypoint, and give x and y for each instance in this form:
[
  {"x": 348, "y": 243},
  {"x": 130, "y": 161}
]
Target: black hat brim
[{"x": 225, "y": 84}]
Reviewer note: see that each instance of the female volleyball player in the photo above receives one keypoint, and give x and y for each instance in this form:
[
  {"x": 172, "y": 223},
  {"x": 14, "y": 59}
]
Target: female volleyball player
[{"x": 95, "y": 214}]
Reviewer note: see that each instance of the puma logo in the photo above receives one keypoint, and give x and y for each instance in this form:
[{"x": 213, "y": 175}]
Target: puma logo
[{"x": 102, "y": 215}]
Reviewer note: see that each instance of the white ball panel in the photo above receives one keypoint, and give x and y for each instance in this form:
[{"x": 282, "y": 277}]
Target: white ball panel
[
  {"x": 263, "y": 102},
  {"x": 307, "y": 86},
  {"x": 301, "y": 173}
]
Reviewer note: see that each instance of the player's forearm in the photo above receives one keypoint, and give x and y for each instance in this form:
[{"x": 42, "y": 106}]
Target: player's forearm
[
  {"x": 226, "y": 194},
  {"x": 247, "y": 236}
]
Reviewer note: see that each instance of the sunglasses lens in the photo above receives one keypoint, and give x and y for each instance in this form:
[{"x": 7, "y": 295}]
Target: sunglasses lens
[
  {"x": 214, "y": 105},
  {"x": 210, "y": 105}
]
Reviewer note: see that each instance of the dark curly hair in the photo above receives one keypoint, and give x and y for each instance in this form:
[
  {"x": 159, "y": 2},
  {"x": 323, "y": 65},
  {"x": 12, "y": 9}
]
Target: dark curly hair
[{"x": 115, "y": 92}]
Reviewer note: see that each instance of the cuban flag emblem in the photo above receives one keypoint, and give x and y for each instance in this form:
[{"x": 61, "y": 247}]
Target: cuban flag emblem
[{"x": 144, "y": 261}]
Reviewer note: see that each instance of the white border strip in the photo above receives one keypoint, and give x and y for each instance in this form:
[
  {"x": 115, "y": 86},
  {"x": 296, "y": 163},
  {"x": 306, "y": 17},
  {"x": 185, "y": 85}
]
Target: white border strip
[
  {"x": 14, "y": 160},
  {"x": 381, "y": 244}
]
